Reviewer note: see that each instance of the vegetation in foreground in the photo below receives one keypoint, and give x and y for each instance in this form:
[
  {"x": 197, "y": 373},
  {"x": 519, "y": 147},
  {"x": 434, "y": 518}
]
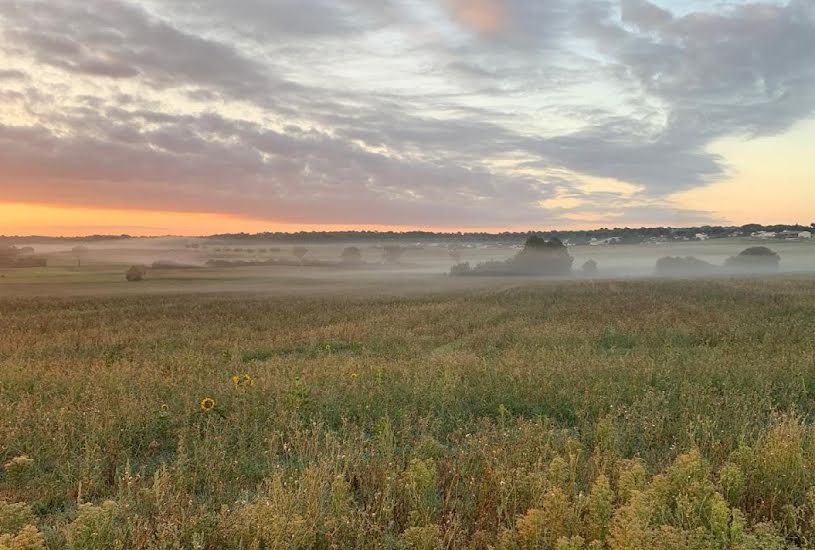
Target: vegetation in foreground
[{"x": 582, "y": 415}]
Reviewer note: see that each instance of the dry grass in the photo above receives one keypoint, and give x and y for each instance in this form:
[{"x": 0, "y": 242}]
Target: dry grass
[{"x": 581, "y": 415}]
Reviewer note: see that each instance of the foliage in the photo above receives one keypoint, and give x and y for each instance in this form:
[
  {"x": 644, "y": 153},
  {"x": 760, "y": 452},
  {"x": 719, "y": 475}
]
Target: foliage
[
  {"x": 677, "y": 266},
  {"x": 351, "y": 255},
  {"x": 392, "y": 254},
  {"x": 135, "y": 273},
  {"x": 539, "y": 256},
  {"x": 590, "y": 268},
  {"x": 756, "y": 258}
]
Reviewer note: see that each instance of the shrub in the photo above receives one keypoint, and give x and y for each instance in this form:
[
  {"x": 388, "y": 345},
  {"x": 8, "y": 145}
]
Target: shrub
[
  {"x": 590, "y": 268},
  {"x": 101, "y": 527},
  {"x": 351, "y": 256},
  {"x": 756, "y": 258},
  {"x": 689, "y": 265},
  {"x": 27, "y": 538},
  {"x": 135, "y": 273},
  {"x": 455, "y": 251},
  {"x": 538, "y": 257},
  {"x": 392, "y": 254},
  {"x": 423, "y": 538}
]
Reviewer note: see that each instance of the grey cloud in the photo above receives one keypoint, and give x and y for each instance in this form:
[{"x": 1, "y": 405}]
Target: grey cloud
[
  {"x": 362, "y": 153},
  {"x": 644, "y": 15},
  {"x": 110, "y": 38},
  {"x": 12, "y": 74},
  {"x": 749, "y": 69},
  {"x": 210, "y": 163}
]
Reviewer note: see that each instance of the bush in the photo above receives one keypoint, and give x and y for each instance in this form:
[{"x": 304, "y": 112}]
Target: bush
[
  {"x": 392, "y": 254},
  {"x": 455, "y": 251},
  {"x": 689, "y": 265},
  {"x": 590, "y": 268},
  {"x": 351, "y": 256},
  {"x": 8, "y": 255},
  {"x": 756, "y": 258},
  {"x": 135, "y": 273},
  {"x": 538, "y": 257}
]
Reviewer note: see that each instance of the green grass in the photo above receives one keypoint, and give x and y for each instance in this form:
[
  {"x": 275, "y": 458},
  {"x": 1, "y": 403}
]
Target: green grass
[{"x": 574, "y": 415}]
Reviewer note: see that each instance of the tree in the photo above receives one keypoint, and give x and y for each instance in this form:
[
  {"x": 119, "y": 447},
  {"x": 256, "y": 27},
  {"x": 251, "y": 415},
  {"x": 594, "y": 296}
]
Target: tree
[
  {"x": 678, "y": 266},
  {"x": 392, "y": 254},
  {"x": 756, "y": 258},
  {"x": 455, "y": 251},
  {"x": 135, "y": 273},
  {"x": 590, "y": 268},
  {"x": 79, "y": 251},
  {"x": 8, "y": 255},
  {"x": 299, "y": 252},
  {"x": 351, "y": 256},
  {"x": 539, "y": 257},
  {"x": 542, "y": 257}
]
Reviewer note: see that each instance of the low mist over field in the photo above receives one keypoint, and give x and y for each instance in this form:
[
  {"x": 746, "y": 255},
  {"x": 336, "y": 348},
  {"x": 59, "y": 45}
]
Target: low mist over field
[{"x": 380, "y": 263}]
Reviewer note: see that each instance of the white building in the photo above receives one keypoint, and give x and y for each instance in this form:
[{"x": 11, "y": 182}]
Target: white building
[
  {"x": 805, "y": 235},
  {"x": 702, "y": 236}
]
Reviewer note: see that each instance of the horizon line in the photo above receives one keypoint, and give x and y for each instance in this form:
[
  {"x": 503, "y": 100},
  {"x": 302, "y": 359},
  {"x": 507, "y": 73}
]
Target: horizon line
[{"x": 102, "y": 236}]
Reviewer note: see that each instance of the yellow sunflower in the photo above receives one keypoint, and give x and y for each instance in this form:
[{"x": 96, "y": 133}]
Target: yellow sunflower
[
  {"x": 248, "y": 380},
  {"x": 236, "y": 380},
  {"x": 207, "y": 404}
]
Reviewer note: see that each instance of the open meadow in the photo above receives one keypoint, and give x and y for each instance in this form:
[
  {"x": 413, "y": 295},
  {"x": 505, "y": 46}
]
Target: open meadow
[{"x": 508, "y": 413}]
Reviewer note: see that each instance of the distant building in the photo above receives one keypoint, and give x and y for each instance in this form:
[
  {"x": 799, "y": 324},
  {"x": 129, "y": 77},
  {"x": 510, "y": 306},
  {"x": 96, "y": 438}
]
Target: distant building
[
  {"x": 805, "y": 235},
  {"x": 764, "y": 234},
  {"x": 702, "y": 236},
  {"x": 610, "y": 240},
  {"x": 790, "y": 235}
]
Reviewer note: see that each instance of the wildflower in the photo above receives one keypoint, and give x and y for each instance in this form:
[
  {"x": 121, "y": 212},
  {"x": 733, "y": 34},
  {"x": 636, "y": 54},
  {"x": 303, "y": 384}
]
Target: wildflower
[
  {"x": 239, "y": 380},
  {"x": 164, "y": 409},
  {"x": 354, "y": 375},
  {"x": 207, "y": 404}
]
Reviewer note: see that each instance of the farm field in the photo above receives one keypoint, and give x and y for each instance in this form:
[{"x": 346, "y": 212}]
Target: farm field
[{"x": 507, "y": 414}]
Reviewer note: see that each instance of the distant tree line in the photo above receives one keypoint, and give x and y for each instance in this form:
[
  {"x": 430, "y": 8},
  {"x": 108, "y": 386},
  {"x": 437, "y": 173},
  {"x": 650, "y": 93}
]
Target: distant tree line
[
  {"x": 624, "y": 234},
  {"x": 11, "y": 256}
]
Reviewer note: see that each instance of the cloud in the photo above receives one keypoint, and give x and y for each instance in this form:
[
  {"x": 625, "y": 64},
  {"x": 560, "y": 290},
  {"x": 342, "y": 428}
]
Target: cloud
[
  {"x": 363, "y": 111},
  {"x": 12, "y": 74},
  {"x": 644, "y": 15},
  {"x": 484, "y": 16},
  {"x": 114, "y": 39}
]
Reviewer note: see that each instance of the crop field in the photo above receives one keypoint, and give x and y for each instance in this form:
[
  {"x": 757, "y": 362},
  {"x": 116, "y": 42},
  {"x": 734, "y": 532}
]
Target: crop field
[{"x": 510, "y": 415}]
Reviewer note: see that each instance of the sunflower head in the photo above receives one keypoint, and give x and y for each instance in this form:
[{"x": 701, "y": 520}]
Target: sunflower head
[
  {"x": 207, "y": 404},
  {"x": 236, "y": 380},
  {"x": 248, "y": 380}
]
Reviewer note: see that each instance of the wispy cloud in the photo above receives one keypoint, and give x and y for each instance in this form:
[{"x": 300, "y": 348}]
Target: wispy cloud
[{"x": 438, "y": 112}]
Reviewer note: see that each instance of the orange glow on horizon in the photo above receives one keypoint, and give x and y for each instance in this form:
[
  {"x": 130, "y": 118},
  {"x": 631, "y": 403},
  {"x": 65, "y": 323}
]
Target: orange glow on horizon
[{"x": 68, "y": 221}]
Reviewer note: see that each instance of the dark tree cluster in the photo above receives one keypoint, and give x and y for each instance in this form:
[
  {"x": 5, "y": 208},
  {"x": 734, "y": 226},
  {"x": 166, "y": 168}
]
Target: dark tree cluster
[
  {"x": 756, "y": 259},
  {"x": 539, "y": 257},
  {"x": 11, "y": 256}
]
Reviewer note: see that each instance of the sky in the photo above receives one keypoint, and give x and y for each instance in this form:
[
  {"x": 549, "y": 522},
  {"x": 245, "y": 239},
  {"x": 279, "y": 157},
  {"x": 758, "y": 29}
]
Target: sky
[{"x": 196, "y": 117}]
